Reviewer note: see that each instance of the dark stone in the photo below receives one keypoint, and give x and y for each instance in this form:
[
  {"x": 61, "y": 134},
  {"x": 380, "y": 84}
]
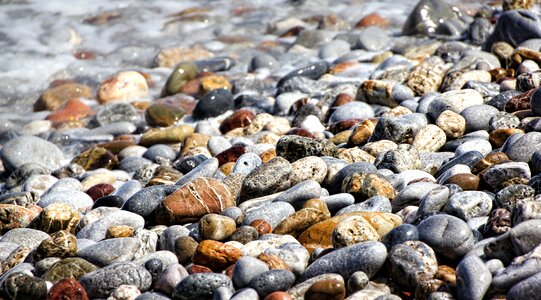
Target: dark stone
[{"x": 213, "y": 104}]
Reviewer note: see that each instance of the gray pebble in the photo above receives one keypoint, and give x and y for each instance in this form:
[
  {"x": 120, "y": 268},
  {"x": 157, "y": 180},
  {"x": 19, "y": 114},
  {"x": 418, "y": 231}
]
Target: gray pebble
[
  {"x": 473, "y": 278},
  {"x": 447, "y": 235},
  {"x": 110, "y": 251},
  {"x": 205, "y": 169},
  {"x": 102, "y": 282},
  {"x": 200, "y": 286},
  {"x": 271, "y": 281},
  {"x": 96, "y": 231},
  {"x": 246, "y": 268},
  {"x": 273, "y": 213}
]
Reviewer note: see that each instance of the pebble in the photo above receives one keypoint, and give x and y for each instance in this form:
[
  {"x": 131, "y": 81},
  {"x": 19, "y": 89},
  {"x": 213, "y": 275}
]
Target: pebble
[
  {"x": 365, "y": 256},
  {"x": 412, "y": 262},
  {"x": 201, "y": 285},
  {"x": 37, "y": 151},
  {"x": 97, "y": 230},
  {"x": 102, "y": 282},
  {"x": 67, "y": 288},
  {"x": 473, "y": 278},
  {"x": 447, "y": 235},
  {"x": 271, "y": 281}
]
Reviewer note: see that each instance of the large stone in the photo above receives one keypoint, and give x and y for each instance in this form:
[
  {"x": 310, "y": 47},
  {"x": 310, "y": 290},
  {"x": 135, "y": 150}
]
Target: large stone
[
  {"x": 194, "y": 200},
  {"x": 31, "y": 149},
  {"x": 102, "y": 282}
]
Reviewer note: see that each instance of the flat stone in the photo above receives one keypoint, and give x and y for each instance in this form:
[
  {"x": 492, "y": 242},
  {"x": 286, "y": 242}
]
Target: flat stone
[
  {"x": 200, "y": 285},
  {"x": 111, "y": 251},
  {"x": 447, "y": 235},
  {"x": 37, "y": 151}
]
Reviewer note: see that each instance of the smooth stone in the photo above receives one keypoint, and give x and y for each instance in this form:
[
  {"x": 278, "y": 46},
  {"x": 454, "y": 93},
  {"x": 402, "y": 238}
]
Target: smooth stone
[
  {"x": 366, "y": 185},
  {"x": 96, "y": 231},
  {"x": 412, "y": 194},
  {"x": 170, "y": 235},
  {"x": 102, "y": 282},
  {"x": 434, "y": 201},
  {"x": 373, "y": 38},
  {"x": 473, "y": 278},
  {"x": 499, "y": 173},
  {"x": 115, "y": 129},
  {"x": 372, "y": 204},
  {"x": 294, "y": 255},
  {"x": 194, "y": 200},
  {"x": 412, "y": 262},
  {"x": 245, "y": 294},
  {"x": 146, "y": 200},
  {"x": 333, "y": 49},
  {"x": 123, "y": 86},
  {"x": 351, "y": 110},
  {"x": 67, "y": 288},
  {"x": 300, "y": 193},
  {"x": 526, "y": 289},
  {"x": 246, "y": 268},
  {"x": 365, "y": 256},
  {"x": 398, "y": 129},
  {"x": 273, "y": 213},
  {"x": 271, "y": 281},
  {"x": 216, "y": 227},
  {"x": 246, "y": 163},
  {"x": 263, "y": 60},
  {"x": 478, "y": 117},
  {"x": 205, "y": 169},
  {"x": 257, "y": 247},
  {"x": 338, "y": 201},
  {"x": 312, "y": 71},
  {"x": 169, "y": 278},
  {"x": 266, "y": 179},
  {"x": 213, "y": 104},
  {"x": 469, "y": 204},
  {"x": 308, "y": 168},
  {"x": 338, "y": 178},
  {"x": 24, "y": 286},
  {"x": 514, "y": 27},
  {"x": 163, "y": 115},
  {"x": 72, "y": 267},
  {"x": 447, "y": 235},
  {"x": 159, "y": 150},
  {"x": 152, "y": 296},
  {"x": 110, "y": 251},
  {"x": 65, "y": 184},
  {"x": 525, "y": 146},
  {"x": 37, "y": 150},
  {"x": 26, "y": 237},
  {"x": 520, "y": 269},
  {"x": 293, "y": 147},
  {"x": 400, "y": 235},
  {"x": 427, "y": 15},
  {"x": 116, "y": 112},
  {"x": 455, "y": 101},
  {"x": 134, "y": 164},
  {"x": 200, "y": 286},
  {"x": 469, "y": 159}
]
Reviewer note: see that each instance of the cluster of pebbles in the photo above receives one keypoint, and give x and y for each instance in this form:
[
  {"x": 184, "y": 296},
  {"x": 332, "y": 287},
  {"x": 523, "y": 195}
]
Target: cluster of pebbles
[{"x": 420, "y": 180}]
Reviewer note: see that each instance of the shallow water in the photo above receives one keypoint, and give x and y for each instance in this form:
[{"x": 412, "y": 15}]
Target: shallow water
[{"x": 39, "y": 39}]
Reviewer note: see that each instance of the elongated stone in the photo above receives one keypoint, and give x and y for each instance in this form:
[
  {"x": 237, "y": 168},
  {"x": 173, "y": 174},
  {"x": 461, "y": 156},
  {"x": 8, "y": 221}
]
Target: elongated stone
[{"x": 194, "y": 200}]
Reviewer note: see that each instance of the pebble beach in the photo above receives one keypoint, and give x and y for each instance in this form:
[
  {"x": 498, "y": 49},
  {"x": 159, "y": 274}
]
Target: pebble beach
[{"x": 271, "y": 150}]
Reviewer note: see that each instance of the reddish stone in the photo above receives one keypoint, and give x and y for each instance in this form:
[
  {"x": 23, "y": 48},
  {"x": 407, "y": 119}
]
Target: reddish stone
[
  {"x": 194, "y": 200},
  {"x": 230, "y": 155},
  {"x": 99, "y": 190},
  {"x": 279, "y": 295},
  {"x": 262, "y": 226},
  {"x": 468, "y": 182},
  {"x": 344, "y": 125},
  {"x": 67, "y": 289},
  {"x": 373, "y": 19},
  {"x": 72, "y": 110},
  {"x": 292, "y": 31},
  {"x": 240, "y": 118},
  {"x": 84, "y": 55},
  {"x": 342, "y": 99},
  {"x": 216, "y": 255},
  {"x": 182, "y": 101},
  {"x": 341, "y": 67},
  {"x": 520, "y": 102},
  {"x": 300, "y": 132},
  {"x": 55, "y": 97},
  {"x": 191, "y": 87},
  {"x": 194, "y": 269}
]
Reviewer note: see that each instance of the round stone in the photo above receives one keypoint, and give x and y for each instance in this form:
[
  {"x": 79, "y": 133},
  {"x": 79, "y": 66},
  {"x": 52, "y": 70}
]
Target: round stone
[
  {"x": 102, "y": 282},
  {"x": 271, "y": 281},
  {"x": 23, "y": 286},
  {"x": 68, "y": 288},
  {"x": 200, "y": 286},
  {"x": 326, "y": 289},
  {"x": 36, "y": 150},
  {"x": 245, "y": 269},
  {"x": 216, "y": 227},
  {"x": 447, "y": 235},
  {"x": 412, "y": 262}
]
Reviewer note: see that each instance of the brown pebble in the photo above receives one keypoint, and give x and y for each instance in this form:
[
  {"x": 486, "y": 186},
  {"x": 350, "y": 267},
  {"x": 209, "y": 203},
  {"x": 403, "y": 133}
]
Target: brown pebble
[
  {"x": 326, "y": 289},
  {"x": 185, "y": 248},
  {"x": 446, "y": 274},
  {"x": 373, "y": 19},
  {"x": 279, "y": 295},
  {"x": 267, "y": 155},
  {"x": 230, "y": 154},
  {"x": 468, "y": 182},
  {"x": 99, "y": 190},
  {"x": 273, "y": 262},
  {"x": 240, "y": 118},
  {"x": 498, "y": 137},
  {"x": 489, "y": 160},
  {"x": 216, "y": 255},
  {"x": 262, "y": 226},
  {"x": 67, "y": 289},
  {"x": 119, "y": 231},
  {"x": 194, "y": 269}
]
